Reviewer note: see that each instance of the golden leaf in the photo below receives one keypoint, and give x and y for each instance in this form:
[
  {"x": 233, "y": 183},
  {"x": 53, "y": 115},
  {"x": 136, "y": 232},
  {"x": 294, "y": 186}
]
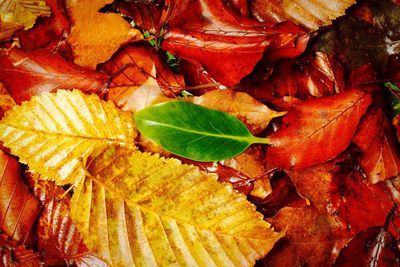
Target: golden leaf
[
  {"x": 55, "y": 133},
  {"x": 95, "y": 36},
  {"x": 137, "y": 209},
  {"x": 17, "y": 14}
]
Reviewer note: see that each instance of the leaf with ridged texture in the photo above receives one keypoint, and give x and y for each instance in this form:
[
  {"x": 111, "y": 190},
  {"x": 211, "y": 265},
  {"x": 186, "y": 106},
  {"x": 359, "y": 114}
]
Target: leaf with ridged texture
[
  {"x": 16, "y": 14},
  {"x": 14, "y": 255},
  {"x": 311, "y": 14},
  {"x": 137, "y": 209},
  {"x": 19, "y": 209},
  {"x": 54, "y": 133}
]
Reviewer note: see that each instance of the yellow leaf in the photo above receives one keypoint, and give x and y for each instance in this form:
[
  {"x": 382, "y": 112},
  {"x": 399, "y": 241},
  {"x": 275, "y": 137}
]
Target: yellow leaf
[
  {"x": 137, "y": 209},
  {"x": 95, "y": 36},
  {"x": 17, "y": 14},
  {"x": 253, "y": 113},
  {"x": 55, "y": 133}
]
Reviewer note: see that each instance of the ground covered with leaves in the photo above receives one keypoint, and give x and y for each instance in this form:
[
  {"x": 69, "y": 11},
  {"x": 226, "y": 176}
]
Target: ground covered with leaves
[{"x": 199, "y": 133}]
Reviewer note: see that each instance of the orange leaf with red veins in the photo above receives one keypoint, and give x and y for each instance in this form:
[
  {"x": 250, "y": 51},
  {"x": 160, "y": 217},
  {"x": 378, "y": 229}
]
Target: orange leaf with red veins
[
  {"x": 227, "y": 45},
  {"x": 133, "y": 64},
  {"x": 380, "y": 160},
  {"x": 47, "y": 30},
  {"x": 254, "y": 114},
  {"x": 96, "y": 36},
  {"x": 317, "y": 130},
  {"x": 18, "y": 207},
  {"x": 30, "y": 74}
]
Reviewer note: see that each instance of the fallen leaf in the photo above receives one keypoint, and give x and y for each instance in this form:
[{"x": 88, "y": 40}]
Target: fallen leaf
[
  {"x": 6, "y": 101},
  {"x": 380, "y": 160},
  {"x": 46, "y": 30},
  {"x": 372, "y": 247},
  {"x": 55, "y": 133},
  {"x": 169, "y": 213},
  {"x": 228, "y": 46},
  {"x": 317, "y": 130},
  {"x": 96, "y": 36},
  {"x": 133, "y": 65},
  {"x": 17, "y": 14},
  {"x": 57, "y": 233},
  {"x": 30, "y": 74},
  {"x": 14, "y": 255},
  {"x": 242, "y": 6},
  {"x": 19, "y": 209},
  {"x": 311, "y": 14},
  {"x": 254, "y": 114}
]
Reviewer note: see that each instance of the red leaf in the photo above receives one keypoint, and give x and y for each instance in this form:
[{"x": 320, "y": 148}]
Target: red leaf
[
  {"x": 372, "y": 247},
  {"x": 29, "y": 74},
  {"x": 228, "y": 46},
  {"x": 47, "y": 30},
  {"x": 317, "y": 130},
  {"x": 19, "y": 209},
  {"x": 380, "y": 160},
  {"x": 14, "y": 255}
]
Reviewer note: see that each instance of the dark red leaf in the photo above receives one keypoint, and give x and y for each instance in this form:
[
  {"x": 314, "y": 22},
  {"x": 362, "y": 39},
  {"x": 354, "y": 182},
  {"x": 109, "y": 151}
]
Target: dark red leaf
[
  {"x": 29, "y": 74},
  {"x": 14, "y": 255},
  {"x": 374, "y": 247},
  {"x": 317, "y": 130},
  {"x": 19, "y": 209},
  {"x": 228, "y": 46}
]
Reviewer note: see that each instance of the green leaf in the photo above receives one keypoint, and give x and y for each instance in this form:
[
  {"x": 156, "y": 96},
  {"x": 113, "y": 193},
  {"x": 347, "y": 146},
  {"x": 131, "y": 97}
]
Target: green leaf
[
  {"x": 195, "y": 132},
  {"x": 394, "y": 97}
]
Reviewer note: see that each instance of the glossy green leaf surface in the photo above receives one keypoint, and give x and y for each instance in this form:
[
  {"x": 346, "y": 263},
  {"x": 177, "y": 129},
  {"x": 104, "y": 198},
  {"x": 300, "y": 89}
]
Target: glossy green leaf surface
[{"x": 195, "y": 132}]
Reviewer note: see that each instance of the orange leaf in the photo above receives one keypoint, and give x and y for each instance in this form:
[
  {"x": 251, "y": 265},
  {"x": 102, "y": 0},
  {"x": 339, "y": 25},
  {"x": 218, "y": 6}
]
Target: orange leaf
[
  {"x": 96, "y": 36},
  {"x": 317, "y": 130}
]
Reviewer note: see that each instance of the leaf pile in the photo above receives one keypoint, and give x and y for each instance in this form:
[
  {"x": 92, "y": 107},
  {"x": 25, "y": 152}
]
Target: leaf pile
[{"x": 199, "y": 133}]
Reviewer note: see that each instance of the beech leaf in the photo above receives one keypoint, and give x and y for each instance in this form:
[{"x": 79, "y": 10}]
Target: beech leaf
[
  {"x": 195, "y": 132},
  {"x": 17, "y": 14},
  {"x": 317, "y": 130},
  {"x": 54, "y": 133},
  {"x": 137, "y": 209},
  {"x": 96, "y": 36}
]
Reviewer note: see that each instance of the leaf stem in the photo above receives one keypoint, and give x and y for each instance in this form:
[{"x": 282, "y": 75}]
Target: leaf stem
[{"x": 261, "y": 140}]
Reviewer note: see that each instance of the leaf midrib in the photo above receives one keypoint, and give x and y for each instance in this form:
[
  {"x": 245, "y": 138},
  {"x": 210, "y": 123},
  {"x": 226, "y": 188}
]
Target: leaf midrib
[{"x": 248, "y": 139}]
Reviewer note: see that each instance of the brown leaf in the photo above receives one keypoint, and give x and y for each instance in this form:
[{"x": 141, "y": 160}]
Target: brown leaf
[
  {"x": 29, "y": 74},
  {"x": 380, "y": 160},
  {"x": 6, "y": 101},
  {"x": 57, "y": 234},
  {"x": 96, "y": 36},
  {"x": 19, "y": 209},
  {"x": 228, "y": 46},
  {"x": 317, "y": 130},
  {"x": 14, "y": 255},
  {"x": 251, "y": 112},
  {"x": 47, "y": 30},
  {"x": 311, "y": 14}
]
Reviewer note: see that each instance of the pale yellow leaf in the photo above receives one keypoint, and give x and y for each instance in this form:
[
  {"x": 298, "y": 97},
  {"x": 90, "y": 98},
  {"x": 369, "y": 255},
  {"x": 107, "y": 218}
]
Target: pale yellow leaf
[
  {"x": 55, "y": 133},
  {"x": 311, "y": 14},
  {"x": 17, "y": 14},
  {"x": 96, "y": 36},
  {"x": 250, "y": 111},
  {"x": 137, "y": 209}
]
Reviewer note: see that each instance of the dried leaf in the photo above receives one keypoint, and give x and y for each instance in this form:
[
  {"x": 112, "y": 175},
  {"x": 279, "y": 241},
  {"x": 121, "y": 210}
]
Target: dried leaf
[
  {"x": 14, "y": 255},
  {"x": 254, "y": 114},
  {"x": 96, "y": 36},
  {"x": 317, "y": 130},
  {"x": 228, "y": 46},
  {"x": 47, "y": 30},
  {"x": 159, "y": 211},
  {"x": 310, "y": 14},
  {"x": 55, "y": 133},
  {"x": 19, "y": 209},
  {"x": 30, "y": 74},
  {"x": 17, "y": 14}
]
